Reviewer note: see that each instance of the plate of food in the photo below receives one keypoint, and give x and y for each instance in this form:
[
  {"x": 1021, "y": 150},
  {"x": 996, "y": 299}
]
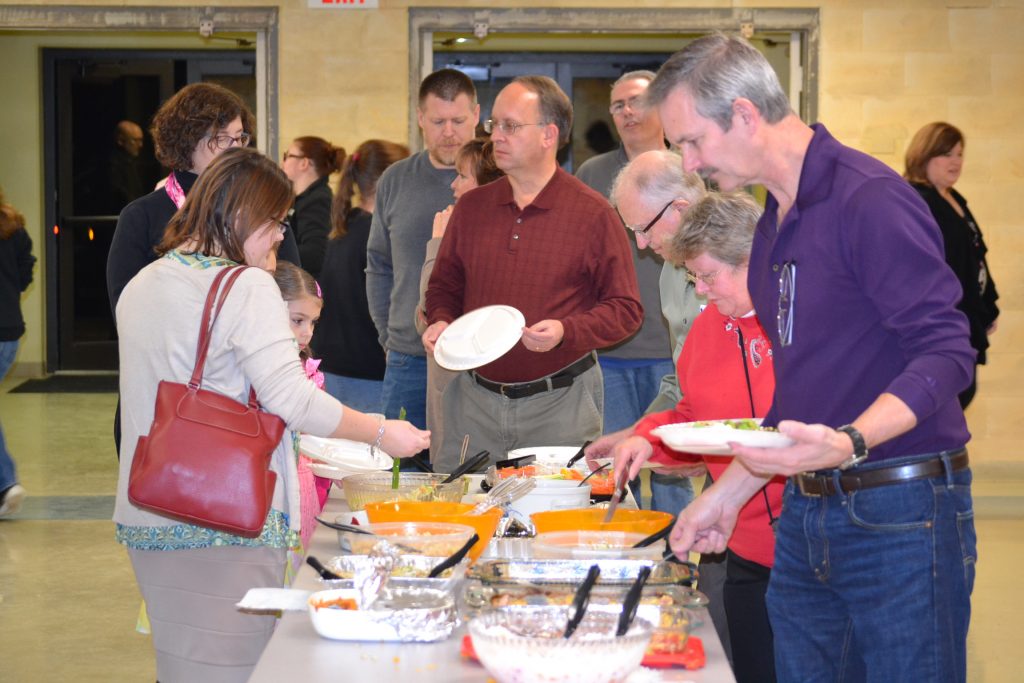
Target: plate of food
[{"x": 712, "y": 437}]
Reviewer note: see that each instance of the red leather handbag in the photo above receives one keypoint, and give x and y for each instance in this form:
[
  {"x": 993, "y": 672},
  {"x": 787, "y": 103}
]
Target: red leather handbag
[{"x": 206, "y": 460}]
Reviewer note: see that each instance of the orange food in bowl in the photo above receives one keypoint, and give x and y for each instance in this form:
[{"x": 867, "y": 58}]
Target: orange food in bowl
[
  {"x": 438, "y": 511},
  {"x": 640, "y": 521}
]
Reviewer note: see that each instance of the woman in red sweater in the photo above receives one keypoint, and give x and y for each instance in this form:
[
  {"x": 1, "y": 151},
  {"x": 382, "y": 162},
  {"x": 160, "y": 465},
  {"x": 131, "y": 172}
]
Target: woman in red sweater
[{"x": 725, "y": 371}]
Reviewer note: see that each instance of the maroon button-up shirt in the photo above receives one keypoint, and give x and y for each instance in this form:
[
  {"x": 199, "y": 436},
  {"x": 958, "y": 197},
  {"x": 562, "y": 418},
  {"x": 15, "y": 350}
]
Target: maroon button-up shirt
[{"x": 563, "y": 257}]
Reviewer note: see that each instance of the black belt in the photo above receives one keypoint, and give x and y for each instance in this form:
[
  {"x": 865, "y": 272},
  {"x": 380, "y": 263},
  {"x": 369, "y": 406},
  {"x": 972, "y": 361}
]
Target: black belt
[
  {"x": 563, "y": 378},
  {"x": 817, "y": 484}
]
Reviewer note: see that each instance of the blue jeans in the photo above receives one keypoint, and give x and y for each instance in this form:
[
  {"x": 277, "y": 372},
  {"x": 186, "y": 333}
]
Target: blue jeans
[
  {"x": 670, "y": 493},
  {"x": 405, "y": 386},
  {"x": 8, "y": 475},
  {"x": 629, "y": 389},
  {"x": 875, "y": 585},
  {"x": 363, "y": 395}
]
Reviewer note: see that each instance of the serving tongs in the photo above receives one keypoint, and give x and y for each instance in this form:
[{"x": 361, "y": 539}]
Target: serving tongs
[
  {"x": 467, "y": 467},
  {"x": 584, "y": 479},
  {"x": 455, "y": 558},
  {"x": 632, "y": 601},
  {"x": 655, "y": 537},
  {"x": 579, "y": 454},
  {"x": 325, "y": 573},
  {"x": 581, "y": 600},
  {"x": 507, "y": 491}
]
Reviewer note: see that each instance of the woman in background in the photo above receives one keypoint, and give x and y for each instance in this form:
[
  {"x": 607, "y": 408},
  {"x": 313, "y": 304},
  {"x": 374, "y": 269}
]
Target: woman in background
[
  {"x": 474, "y": 166},
  {"x": 934, "y": 161},
  {"x": 309, "y": 163},
  {"x": 16, "y": 261},
  {"x": 191, "y": 576},
  {"x": 346, "y": 340}
]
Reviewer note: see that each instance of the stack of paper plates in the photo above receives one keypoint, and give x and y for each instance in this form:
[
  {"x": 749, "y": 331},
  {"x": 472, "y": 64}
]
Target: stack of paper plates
[
  {"x": 479, "y": 337},
  {"x": 338, "y": 458}
]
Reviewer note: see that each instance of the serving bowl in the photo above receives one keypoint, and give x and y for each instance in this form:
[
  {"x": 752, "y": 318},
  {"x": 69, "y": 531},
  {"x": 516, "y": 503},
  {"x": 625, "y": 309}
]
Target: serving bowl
[
  {"x": 525, "y": 645},
  {"x": 435, "y": 539},
  {"x": 552, "y": 494},
  {"x": 370, "y": 487},
  {"x": 594, "y": 545},
  {"x": 439, "y": 511},
  {"x": 644, "y": 522}
]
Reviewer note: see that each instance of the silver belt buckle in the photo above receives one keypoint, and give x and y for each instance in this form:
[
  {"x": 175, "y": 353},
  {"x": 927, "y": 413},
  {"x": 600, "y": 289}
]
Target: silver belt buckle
[{"x": 800, "y": 479}]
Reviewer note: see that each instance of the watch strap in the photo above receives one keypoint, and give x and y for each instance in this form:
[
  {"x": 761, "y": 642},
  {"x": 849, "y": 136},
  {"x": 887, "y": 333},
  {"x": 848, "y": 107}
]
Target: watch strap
[{"x": 860, "y": 447}]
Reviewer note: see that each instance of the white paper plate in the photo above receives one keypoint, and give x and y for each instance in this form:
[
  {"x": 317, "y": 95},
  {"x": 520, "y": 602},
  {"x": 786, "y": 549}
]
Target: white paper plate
[
  {"x": 479, "y": 337},
  {"x": 352, "y": 456},
  {"x": 714, "y": 438}
]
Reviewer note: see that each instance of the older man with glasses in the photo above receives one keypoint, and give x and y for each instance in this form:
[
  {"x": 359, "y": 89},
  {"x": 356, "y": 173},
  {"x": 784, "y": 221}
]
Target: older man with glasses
[
  {"x": 875, "y": 547},
  {"x": 541, "y": 241}
]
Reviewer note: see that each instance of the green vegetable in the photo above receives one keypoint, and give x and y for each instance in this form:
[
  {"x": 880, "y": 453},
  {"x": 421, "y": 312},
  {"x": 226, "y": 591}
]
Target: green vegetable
[{"x": 395, "y": 474}]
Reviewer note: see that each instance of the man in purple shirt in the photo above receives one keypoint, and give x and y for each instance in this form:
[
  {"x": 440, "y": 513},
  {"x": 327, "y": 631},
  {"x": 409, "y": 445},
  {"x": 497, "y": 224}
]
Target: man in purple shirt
[{"x": 875, "y": 549}]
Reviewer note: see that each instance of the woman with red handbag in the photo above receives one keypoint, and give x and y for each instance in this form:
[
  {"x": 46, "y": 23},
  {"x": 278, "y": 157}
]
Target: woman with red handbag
[{"x": 191, "y": 576}]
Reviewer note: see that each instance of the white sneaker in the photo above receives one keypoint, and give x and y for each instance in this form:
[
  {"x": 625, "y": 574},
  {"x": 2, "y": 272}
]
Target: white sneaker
[{"x": 10, "y": 500}]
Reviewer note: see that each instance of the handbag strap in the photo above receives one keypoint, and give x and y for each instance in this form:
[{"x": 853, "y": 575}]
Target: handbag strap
[{"x": 211, "y": 310}]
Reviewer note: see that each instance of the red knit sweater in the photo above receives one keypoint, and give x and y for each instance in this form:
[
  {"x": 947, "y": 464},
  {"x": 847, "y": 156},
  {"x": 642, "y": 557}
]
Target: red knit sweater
[{"x": 714, "y": 387}]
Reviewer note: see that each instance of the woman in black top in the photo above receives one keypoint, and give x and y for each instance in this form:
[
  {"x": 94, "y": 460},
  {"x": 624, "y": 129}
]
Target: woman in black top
[
  {"x": 346, "y": 340},
  {"x": 309, "y": 163},
  {"x": 16, "y": 261},
  {"x": 933, "y": 164}
]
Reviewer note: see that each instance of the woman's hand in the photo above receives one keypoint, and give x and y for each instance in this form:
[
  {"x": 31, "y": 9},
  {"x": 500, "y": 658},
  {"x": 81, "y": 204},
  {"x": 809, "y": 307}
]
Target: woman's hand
[
  {"x": 401, "y": 439},
  {"x": 441, "y": 221},
  {"x": 630, "y": 455}
]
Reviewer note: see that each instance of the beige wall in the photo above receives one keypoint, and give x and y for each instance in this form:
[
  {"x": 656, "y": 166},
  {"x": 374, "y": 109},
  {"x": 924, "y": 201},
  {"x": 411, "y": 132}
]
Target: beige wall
[{"x": 886, "y": 69}]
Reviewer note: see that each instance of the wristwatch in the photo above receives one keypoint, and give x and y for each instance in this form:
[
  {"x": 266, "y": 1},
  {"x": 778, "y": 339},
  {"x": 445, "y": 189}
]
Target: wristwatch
[{"x": 860, "y": 449}]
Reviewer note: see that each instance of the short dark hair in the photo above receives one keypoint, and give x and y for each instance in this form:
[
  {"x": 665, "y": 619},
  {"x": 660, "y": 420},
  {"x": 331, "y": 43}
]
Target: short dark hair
[
  {"x": 934, "y": 140},
  {"x": 236, "y": 194},
  {"x": 555, "y": 106},
  {"x": 447, "y": 84},
  {"x": 479, "y": 153},
  {"x": 191, "y": 114},
  {"x": 716, "y": 70}
]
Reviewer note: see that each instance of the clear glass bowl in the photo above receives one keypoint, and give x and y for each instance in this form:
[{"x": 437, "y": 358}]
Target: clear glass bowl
[
  {"x": 594, "y": 545},
  {"x": 371, "y": 487},
  {"x": 435, "y": 539},
  {"x": 525, "y": 645},
  {"x": 439, "y": 511}
]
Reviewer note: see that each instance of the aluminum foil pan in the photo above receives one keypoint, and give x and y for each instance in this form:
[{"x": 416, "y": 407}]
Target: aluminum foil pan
[
  {"x": 570, "y": 573},
  {"x": 409, "y": 569},
  {"x": 401, "y": 614}
]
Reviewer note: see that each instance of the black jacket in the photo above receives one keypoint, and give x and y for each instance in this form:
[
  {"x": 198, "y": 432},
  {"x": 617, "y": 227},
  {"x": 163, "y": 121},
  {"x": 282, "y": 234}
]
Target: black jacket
[
  {"x": 16, "y": 261},
  {"x": 140, "y": 227},
  {"x": 311, "y": 223},
  {"x": 346, "y": 339},
  {"x": 965, "y": 254}
]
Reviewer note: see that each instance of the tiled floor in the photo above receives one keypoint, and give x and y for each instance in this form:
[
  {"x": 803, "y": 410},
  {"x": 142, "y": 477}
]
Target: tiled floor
[{"x": 68, "y": 601}]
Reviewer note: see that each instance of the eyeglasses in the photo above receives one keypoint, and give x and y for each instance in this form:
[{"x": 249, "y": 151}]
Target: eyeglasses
[
  {"x": 283, "y": 226},
  {"x": 644, "y": 230},
  {"x": 224, "y": 141},
  {"x": 706, "y": 278},
  {"x": 787, "y": 301},
  {"x": 506, "y": 127},
  {"x": 636, "y": 103},
  {"x": 289, "y": 155}
]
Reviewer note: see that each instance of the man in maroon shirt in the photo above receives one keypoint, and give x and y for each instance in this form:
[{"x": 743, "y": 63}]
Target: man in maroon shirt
[{"x": 541, "y": 241}]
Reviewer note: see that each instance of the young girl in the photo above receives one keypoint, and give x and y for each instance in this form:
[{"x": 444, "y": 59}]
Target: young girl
[{"x": 302, "y": 294}]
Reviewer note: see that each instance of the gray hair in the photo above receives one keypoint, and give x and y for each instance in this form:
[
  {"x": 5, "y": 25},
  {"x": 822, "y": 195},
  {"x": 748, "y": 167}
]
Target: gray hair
[
  {"x": 722, "y": 225},
  {"x": 659, "y": 179},
  {"x": 716, "y": 70},
  {"x": 639, "y": 74}
]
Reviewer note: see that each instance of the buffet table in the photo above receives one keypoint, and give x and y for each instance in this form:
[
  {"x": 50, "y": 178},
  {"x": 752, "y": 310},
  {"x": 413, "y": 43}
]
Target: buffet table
[{"x": 296, "y": 652}]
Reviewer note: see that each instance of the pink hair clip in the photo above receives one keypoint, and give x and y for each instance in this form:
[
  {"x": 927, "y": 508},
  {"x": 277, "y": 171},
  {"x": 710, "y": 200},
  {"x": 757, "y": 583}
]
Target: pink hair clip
[
  {"x": 319, "y": 292},
  {"x": 355, "y": 157}
]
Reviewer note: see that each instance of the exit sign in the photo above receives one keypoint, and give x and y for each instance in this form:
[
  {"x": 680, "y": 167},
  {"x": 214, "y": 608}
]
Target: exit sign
[{"x": 343, "y": 4}]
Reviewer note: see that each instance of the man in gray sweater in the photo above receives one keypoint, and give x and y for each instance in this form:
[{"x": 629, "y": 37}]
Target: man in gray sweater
[{"x": 409, "y": 193}]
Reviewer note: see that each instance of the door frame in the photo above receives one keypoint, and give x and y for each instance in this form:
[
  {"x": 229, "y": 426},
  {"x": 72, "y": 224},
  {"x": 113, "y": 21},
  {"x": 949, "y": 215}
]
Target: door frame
[
  {"x": 424, "y": 22},
  {"x": 263, "y": 21}
]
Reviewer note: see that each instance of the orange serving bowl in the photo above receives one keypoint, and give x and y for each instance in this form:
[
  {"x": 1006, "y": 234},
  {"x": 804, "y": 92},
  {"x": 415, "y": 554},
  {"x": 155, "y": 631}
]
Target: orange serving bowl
[
  {"x": 645, "y": 522},
  {"x": 439, "y": 511}
]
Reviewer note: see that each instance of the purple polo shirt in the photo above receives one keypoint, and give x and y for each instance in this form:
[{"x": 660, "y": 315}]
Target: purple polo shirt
[{"x": 874, "y": 308}]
